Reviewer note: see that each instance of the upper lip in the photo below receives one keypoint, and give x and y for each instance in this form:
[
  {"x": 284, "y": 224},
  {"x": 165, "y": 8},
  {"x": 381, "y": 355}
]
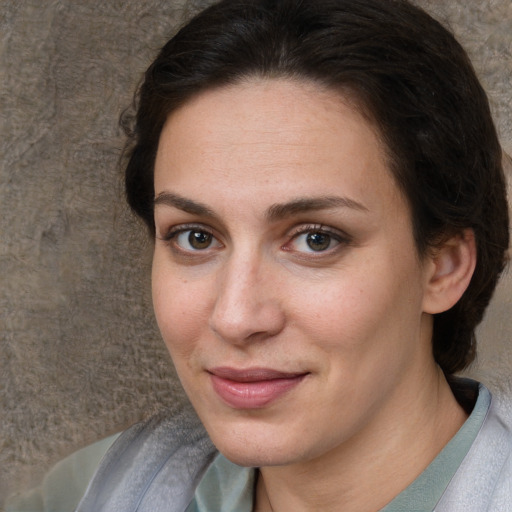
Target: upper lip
[{"x": 252, "y": 374}]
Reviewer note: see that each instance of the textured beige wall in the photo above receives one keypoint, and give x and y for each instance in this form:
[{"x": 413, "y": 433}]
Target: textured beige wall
[{"x": 80, "y": 355}]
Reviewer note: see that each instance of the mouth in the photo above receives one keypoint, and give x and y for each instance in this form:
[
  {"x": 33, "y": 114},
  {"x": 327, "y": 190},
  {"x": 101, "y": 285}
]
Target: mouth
[{"x": 252, "y": 388}]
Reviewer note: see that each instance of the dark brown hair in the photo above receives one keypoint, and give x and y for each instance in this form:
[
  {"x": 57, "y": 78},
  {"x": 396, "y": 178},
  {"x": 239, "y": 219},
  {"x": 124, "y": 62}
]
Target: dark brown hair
[{"x": 408, "y": 74}]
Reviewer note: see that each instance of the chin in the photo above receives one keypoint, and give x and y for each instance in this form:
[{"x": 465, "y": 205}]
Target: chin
[
  {"x": 257, "y": 447},
  {"x": 256, "y": 458}
]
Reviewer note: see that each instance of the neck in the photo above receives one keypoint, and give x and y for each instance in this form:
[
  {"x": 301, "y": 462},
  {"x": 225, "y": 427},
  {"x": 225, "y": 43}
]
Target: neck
[{"x": 369, "y": 470}]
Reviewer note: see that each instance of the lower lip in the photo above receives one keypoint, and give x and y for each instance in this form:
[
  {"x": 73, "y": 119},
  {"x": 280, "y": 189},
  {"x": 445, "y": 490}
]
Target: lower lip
[{"x": 253, "y": 395}]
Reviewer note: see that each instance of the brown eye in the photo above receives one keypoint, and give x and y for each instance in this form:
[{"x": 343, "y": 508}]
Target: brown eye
[
  {"x": 199, "y": 239},
  {"x": 195, "y": 240},
  {"x": 318, "y": 241},
  {"x": 312, "y": 241}
]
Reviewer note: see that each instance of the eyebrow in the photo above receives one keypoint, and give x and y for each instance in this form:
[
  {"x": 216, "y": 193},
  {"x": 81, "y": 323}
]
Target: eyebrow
[
  {"x": 274, "y": 212},
  {"x": 307, "y": 204},
  {"x": 184, "y": 204}
]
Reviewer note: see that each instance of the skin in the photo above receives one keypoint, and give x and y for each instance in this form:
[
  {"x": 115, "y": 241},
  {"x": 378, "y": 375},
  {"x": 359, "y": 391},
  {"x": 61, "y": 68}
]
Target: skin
[{"x": 372, "y": 409}]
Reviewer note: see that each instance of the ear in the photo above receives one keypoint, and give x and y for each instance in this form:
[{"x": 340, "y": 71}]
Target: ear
[{"x": 449, "y": 270}]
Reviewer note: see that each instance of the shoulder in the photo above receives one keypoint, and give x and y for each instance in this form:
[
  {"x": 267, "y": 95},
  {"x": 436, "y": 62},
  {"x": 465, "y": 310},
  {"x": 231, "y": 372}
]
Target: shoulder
[
  {"x": 152, "y": 466},
  {"x": 62, "y": 487},
  {"x": 483, "y": 481}
]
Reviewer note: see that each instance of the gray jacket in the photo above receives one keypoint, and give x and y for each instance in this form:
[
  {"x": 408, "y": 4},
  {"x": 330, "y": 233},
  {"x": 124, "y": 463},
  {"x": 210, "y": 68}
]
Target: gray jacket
[{"x": 156, "y": 466}]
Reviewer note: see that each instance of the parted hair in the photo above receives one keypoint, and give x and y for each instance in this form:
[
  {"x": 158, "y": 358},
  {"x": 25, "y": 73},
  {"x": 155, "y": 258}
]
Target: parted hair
[{"x": 407, "y": 74}]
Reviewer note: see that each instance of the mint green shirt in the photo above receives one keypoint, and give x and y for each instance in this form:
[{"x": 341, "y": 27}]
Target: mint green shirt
[{"x": 228, "y": 487}]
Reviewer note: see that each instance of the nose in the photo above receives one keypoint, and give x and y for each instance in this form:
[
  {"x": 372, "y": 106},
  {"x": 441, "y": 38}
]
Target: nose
[{"x": 247, "y": 307}]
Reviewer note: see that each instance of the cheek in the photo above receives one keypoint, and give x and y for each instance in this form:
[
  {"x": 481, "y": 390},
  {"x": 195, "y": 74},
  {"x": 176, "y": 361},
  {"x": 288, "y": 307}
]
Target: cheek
[
  {"x": 362, "y": 309},
  {"x": 180, "y": 313}
]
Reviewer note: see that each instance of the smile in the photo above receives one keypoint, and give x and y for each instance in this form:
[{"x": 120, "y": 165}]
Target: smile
[{"x": 252, "y": 388}]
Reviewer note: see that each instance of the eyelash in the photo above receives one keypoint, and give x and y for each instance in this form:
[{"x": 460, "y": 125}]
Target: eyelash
[
  {"x": 176, "y": 231},
  {"x": 340, "y": 238}
]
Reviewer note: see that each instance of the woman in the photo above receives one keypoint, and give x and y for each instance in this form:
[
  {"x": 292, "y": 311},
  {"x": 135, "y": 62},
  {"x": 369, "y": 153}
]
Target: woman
[{"x": 323, "y": 183}]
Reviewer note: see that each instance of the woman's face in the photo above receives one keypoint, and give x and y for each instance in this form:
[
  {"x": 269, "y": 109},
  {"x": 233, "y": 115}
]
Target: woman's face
[{"x": 286, "y": 282}]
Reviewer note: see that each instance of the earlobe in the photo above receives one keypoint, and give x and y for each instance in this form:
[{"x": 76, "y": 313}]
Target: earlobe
[{"x": 450, "y": 269}]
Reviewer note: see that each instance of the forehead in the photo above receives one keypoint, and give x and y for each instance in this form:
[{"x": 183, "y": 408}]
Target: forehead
[{"x": 300, "y": 138}]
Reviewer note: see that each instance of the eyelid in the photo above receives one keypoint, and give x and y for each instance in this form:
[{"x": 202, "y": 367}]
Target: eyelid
[
  {"x": 341, "y": 237},
  {"x": 319, "y": 228},
  {"x": 172, "y": 233}
]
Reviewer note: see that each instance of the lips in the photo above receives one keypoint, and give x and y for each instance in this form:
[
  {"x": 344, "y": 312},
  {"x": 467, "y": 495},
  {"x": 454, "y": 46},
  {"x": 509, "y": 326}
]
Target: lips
[{"x": 252, "y": 388}]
